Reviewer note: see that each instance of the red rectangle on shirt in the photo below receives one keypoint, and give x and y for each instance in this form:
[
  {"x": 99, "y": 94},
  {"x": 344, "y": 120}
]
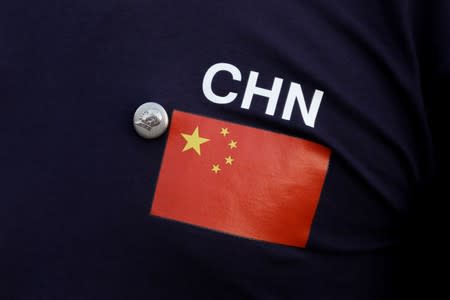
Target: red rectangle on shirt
[{"x": 240, "y": 180}]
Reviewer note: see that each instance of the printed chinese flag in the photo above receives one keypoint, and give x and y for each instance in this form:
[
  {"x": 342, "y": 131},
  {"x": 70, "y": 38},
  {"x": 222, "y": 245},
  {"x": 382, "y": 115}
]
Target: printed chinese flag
[{"x": 240, "y": 180}]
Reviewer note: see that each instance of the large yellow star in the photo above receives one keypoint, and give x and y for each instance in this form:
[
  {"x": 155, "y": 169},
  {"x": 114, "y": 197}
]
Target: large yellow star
[{"x": 193, "y": 141}]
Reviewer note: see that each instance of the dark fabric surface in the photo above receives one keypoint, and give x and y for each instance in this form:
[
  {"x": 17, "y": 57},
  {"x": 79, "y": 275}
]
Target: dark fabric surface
[{"x": 77, "y": 182}]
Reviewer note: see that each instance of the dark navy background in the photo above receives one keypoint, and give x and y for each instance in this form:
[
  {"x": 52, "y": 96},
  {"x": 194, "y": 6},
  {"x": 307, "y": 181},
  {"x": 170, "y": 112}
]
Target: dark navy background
[{"x": 77, "y": 182}]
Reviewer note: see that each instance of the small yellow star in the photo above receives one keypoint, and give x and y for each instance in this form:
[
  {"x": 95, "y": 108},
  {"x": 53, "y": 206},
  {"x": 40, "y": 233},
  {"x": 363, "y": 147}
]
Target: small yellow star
[
  {"x": 216, "y": 169},
  {"x": 232, "y": 144},
  {"x": 229, "y": 160},
  {"x": 193, "y": 141},
  {"x": 224, "y": 131}
]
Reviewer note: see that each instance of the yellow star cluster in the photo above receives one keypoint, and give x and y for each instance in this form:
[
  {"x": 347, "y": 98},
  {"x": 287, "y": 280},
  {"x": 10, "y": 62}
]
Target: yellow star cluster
[
  {"x": 229, "y": 160},
  {"x": 194, "y": 142}
]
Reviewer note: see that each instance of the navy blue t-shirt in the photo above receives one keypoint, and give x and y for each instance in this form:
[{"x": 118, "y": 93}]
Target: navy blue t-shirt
[{"x": 77, "y": 182}]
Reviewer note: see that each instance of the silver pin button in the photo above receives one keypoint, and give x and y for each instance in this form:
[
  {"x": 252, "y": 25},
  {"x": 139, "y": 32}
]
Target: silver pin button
[{"x": 150, "y": 120}]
